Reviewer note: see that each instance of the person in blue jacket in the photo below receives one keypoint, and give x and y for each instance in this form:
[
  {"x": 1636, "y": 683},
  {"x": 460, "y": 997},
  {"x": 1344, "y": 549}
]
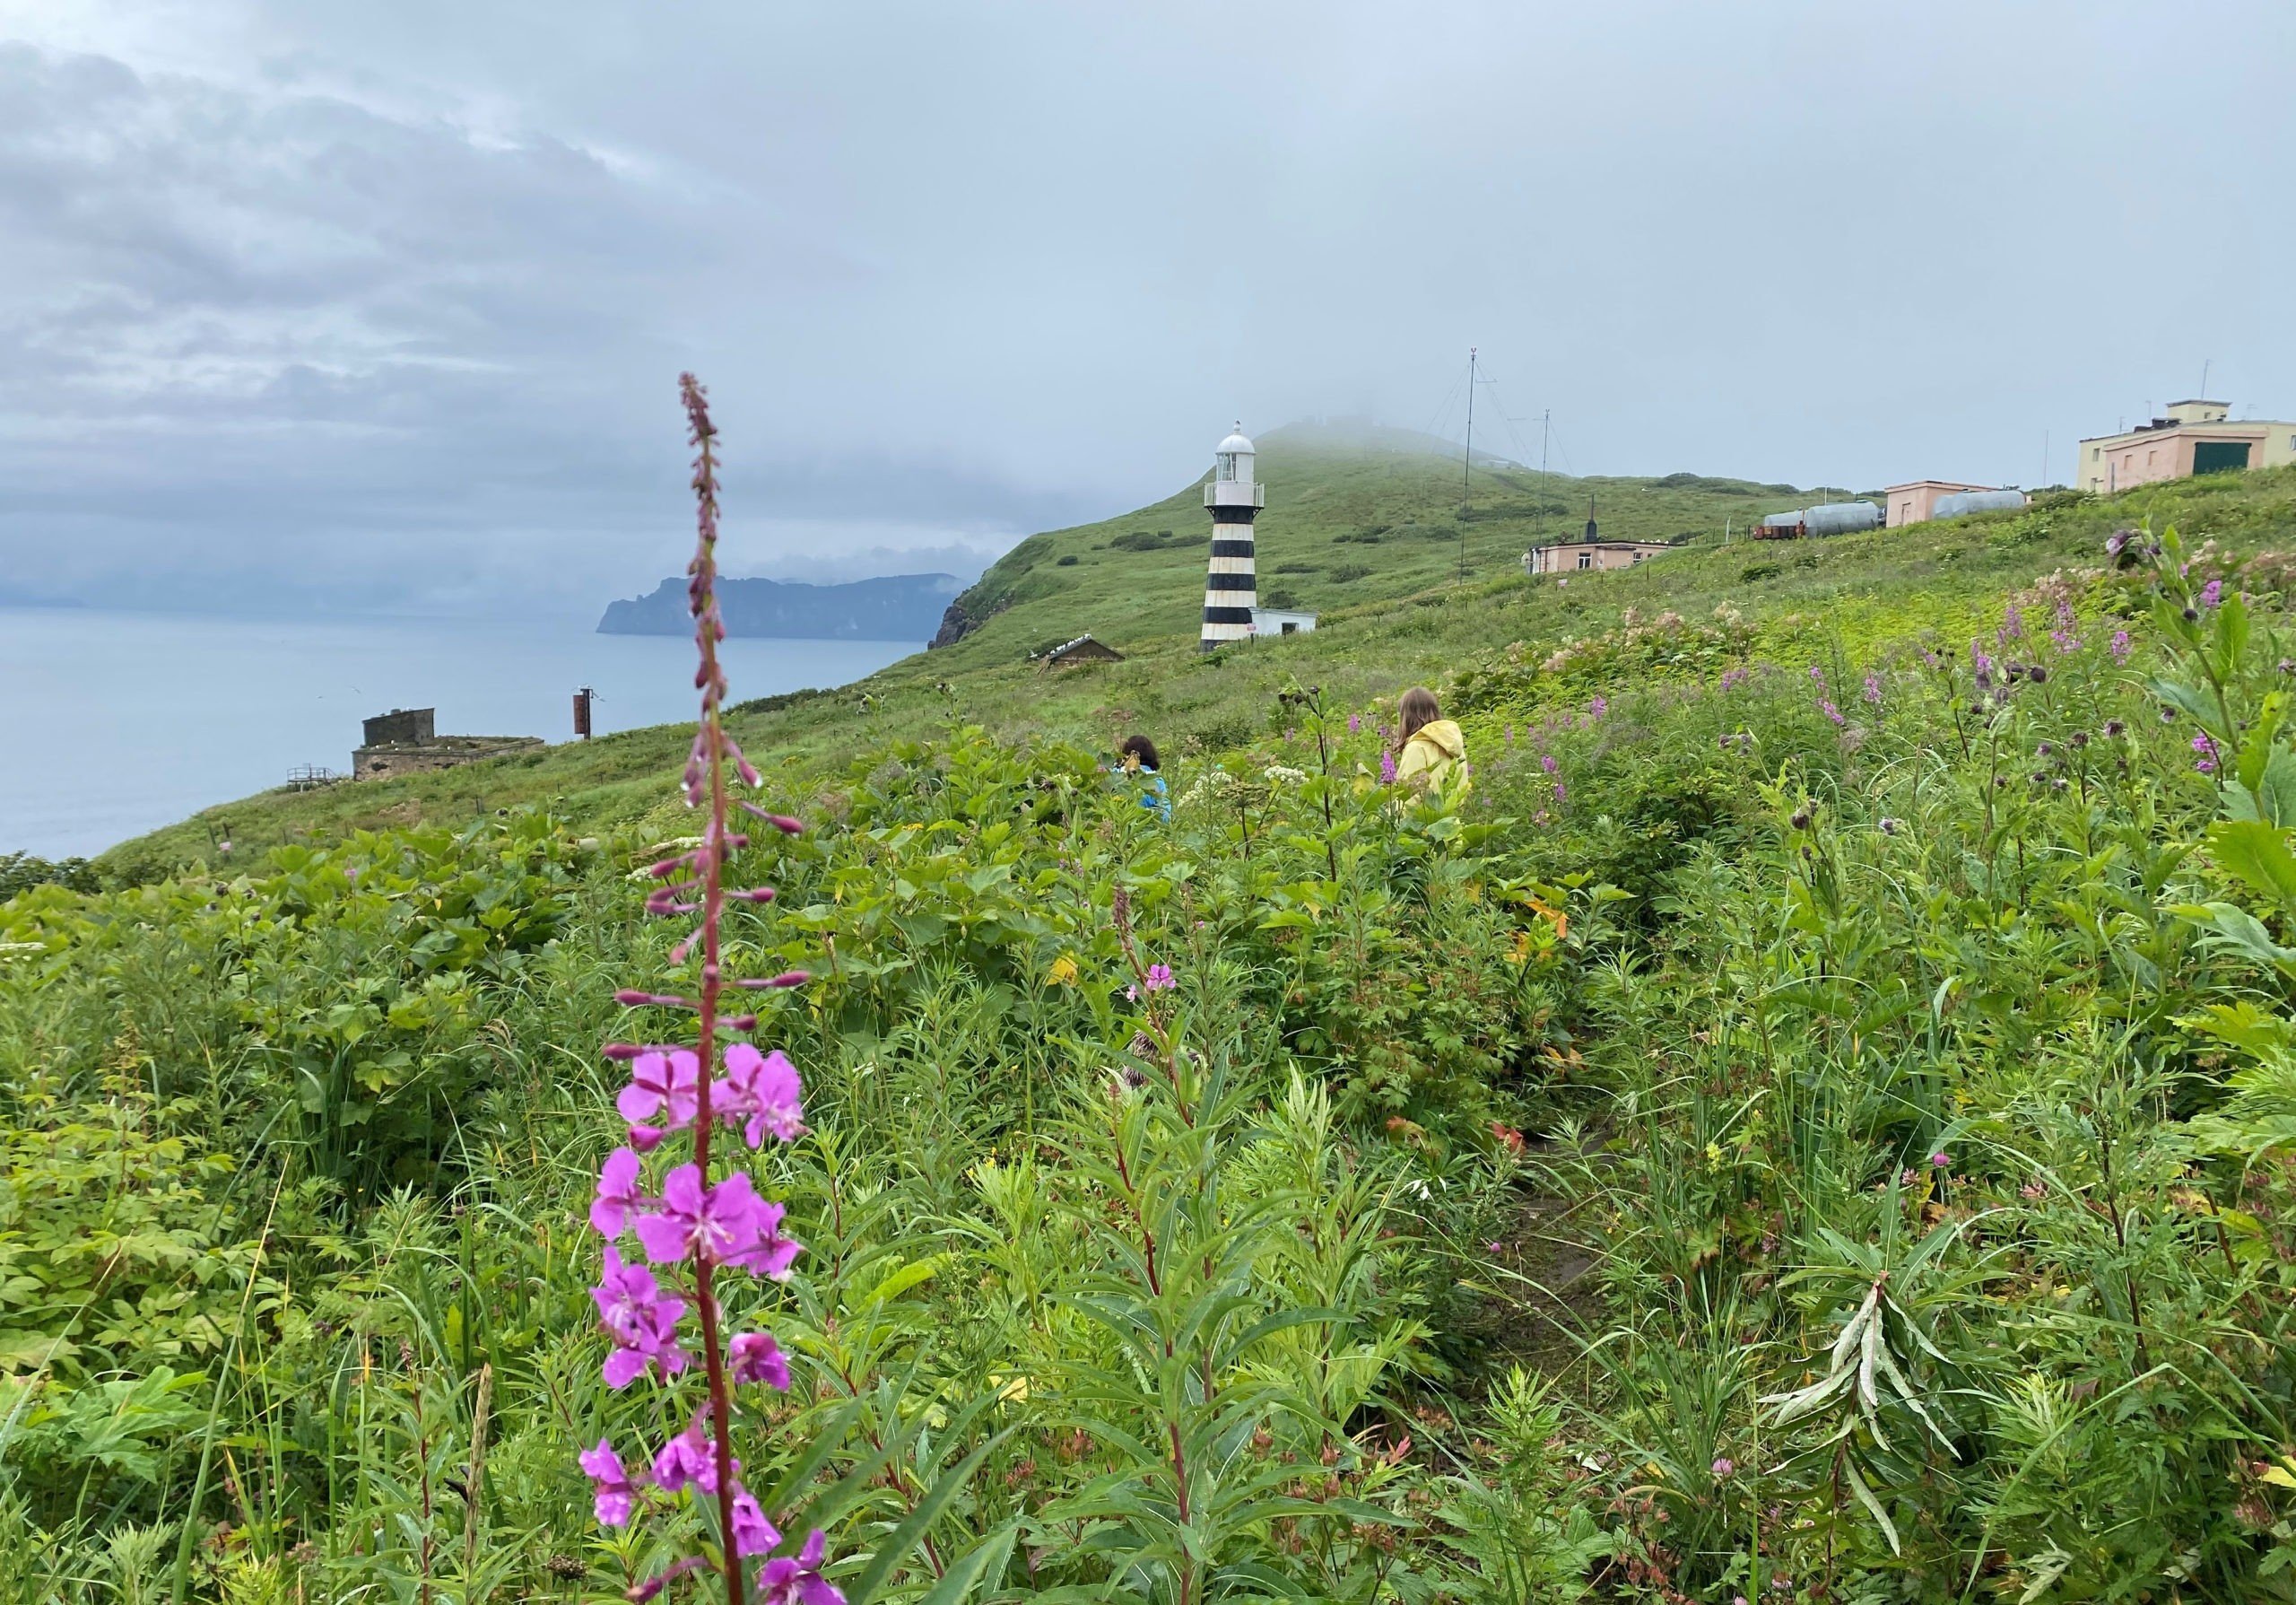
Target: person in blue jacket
[{"x": 1137, "y": 761}]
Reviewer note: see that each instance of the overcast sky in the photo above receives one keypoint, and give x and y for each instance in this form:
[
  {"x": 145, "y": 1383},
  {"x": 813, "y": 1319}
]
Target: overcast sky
[{"x": 351, "y": 305}]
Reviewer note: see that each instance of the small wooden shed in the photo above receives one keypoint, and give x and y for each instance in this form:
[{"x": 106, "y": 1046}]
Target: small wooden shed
[{"x": 1082, "y": 650}]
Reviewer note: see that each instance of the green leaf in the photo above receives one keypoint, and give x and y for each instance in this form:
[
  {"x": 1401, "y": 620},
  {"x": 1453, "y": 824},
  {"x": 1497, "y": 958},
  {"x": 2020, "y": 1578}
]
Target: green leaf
[
  {"x": 985, "y": 1558},
  {"x": 1873, "y": 1506},
  {"x": 2256, "y": 854},
  {"x": 907, "y": 1536}
]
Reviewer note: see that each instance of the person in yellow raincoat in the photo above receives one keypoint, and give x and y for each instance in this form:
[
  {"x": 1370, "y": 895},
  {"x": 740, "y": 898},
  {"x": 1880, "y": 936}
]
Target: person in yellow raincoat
[{"x": 1434, "y": 752}]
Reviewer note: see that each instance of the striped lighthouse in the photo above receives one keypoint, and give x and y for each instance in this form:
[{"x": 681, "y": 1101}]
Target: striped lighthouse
[{"x": 1231, "y": 588}]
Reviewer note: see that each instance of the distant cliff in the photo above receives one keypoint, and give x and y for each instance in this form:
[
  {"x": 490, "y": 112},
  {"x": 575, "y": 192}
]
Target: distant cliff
[{"x": 892, "y": 607}]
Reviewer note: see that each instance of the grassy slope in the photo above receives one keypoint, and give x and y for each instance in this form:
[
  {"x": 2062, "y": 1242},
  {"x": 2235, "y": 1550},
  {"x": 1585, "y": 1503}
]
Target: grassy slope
[{"x": 1408, "y": 619}]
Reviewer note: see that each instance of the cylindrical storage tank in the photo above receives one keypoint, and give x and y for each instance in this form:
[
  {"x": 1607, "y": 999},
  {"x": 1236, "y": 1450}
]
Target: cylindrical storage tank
[
  {"x": 1841, "y": 518},
  {"x": 1782, "y": 520},
  {"x": 1969, "y": 502}
]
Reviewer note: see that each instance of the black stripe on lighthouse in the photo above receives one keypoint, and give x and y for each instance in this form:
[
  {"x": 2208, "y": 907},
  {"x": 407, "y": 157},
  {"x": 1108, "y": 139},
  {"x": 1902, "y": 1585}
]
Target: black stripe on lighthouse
[
  {"x": 1227, "y": 615},
  {"x": 1228, "y": 583},
  {"x": 1222, "y": 546},
  {"x": 1222, "y": 513}
]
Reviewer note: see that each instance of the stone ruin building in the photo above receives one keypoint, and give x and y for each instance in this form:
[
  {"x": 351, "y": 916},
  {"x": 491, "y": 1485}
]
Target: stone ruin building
[{"x": 407, "y": 741}]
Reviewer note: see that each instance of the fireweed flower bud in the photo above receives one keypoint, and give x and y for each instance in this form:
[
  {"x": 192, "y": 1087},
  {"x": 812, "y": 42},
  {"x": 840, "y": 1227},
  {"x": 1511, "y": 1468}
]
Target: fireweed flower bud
[
  {"x": 780, "y": 822},
  {"x": 788, "y": 978}
]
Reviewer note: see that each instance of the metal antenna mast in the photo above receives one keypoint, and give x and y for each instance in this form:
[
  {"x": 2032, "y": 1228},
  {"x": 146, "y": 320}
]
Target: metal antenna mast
[{"x": 1466, "y": 465}]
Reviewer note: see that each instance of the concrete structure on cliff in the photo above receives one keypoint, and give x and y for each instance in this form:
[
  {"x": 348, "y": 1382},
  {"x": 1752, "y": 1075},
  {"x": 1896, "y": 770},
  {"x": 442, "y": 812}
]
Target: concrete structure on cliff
[
  {"x": 407, "y": 741},
  {"x": 2194, "y": 437}
]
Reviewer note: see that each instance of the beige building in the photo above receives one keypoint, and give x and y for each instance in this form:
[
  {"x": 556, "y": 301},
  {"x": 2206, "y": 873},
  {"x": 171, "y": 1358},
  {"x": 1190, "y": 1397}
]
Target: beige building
[
  {"x": 1568, "y": 557},
  {"x": 1916, "y": 504},
  {"x": 2195, "y": 437}
]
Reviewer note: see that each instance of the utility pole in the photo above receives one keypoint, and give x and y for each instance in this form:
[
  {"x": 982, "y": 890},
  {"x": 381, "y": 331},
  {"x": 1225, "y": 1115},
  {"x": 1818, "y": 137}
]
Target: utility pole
[
  {"x": 1467, "y": 466},
  {"x": 2044, "y": 478}
]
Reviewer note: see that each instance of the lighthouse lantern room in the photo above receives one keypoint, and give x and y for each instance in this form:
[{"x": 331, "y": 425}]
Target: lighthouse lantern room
[{"x": 1230, "y": 587}]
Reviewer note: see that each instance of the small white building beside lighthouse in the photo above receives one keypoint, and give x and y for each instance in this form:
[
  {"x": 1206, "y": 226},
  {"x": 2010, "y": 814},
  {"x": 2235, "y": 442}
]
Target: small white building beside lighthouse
[{"x": 1231, "y": 584}]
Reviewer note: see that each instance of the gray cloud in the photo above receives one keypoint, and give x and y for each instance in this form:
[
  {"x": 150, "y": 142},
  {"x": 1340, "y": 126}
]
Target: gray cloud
[{"x": 349, "y": 305}]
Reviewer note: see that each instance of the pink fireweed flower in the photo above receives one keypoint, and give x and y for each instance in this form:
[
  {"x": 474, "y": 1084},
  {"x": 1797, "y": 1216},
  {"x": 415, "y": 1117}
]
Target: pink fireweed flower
[
  {"x": 1832, "y": 712},
  {"x": 659, "y": 1081},
  {"x": 2012, "y": 626},
  {"x": 1558, "y": 792},
  {"x": 1599, "y": 706},
  {"x": 2206, "y": 763},
  {"x": 758, "y": 1359},
  {"x": 1160, "y": 978},
  {"x": 618, "y": 1193},
  {"x": 1387, "y": 768},
  {"x": 1732, "y": 677},
  {"x": 1354, "y": 723},
  {"x": 798, "y": 1581},
  {"x": 2120, "y": 646},
  {"x": 642, "y": 1324},
  {"x": 1547, "y": 762},
  {"x": 2211, "y": 594},
  {"x": 771, "y": 1254},
  {"x": 722, "y": 1224},
  {"x": 760, "y": 1094},
  {"x": 613, "y": 1493},
  {"x": 753, "y": 1533},
  {"x": 1874, "y": 688},
  {"x": 1817, "y": 676},
  {"x": 687, "y": 1458},
  {"x": 2066, "y": 641}
]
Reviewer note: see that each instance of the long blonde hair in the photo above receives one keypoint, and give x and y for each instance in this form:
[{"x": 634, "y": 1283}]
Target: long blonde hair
[{"x": 1418, "y": 708}]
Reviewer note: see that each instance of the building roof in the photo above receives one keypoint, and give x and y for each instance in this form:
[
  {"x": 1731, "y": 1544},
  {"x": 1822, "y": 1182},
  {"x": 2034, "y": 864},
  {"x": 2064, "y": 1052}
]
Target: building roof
[
  {"x": 2199, "y": 401},
  {"x": 1238, "y": 441},
  {"x": 1607, "y": 540},
  {"x": 1950, "y": 485},
  {"x": 1081, "y": 641}
]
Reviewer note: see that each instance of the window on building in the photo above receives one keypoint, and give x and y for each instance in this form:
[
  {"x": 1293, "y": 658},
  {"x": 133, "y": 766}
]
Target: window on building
[
  {"x": 1586, "y": 560},
  {"x": 1227, "y": 465}
]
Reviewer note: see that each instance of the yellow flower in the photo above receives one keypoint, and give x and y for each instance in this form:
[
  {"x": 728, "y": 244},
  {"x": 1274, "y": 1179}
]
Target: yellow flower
[{"x": 1063, "y": 971}]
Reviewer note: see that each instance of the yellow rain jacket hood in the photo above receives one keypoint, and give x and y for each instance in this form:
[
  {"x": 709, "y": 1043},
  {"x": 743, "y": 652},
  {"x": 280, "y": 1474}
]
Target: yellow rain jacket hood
[{"x": 1433, "y": 756}]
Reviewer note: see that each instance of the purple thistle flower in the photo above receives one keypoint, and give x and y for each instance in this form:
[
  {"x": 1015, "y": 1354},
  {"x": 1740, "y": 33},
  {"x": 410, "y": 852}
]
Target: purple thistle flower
[
  {"x": 785, "y": 1580},
  {"x": 761, "y": 1093},
  {"x": 659, "y": 1081},
  {"x": 613, "y": 1493},
  {"x": 642, "y": 1324},
  {"x": 2120, "y": 646},
  {"x": 758, "y": 1359},
  {"x": 1160, "y": 978},
  {"x": 618, "y": 1193},
  {"x": 1941, "y": 1160}
]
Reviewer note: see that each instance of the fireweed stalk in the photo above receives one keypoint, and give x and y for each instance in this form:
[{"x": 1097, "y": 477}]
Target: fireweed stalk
[{"x": 692, "y": 1226}]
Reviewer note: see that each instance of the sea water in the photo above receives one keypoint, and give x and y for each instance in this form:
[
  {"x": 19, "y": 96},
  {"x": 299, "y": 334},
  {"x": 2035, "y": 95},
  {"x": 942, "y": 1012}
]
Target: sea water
[{"x": 112, "y": 724}]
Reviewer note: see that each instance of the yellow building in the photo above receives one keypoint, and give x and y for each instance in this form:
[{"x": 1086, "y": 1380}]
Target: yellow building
[{"x": 2195, "y": 437}]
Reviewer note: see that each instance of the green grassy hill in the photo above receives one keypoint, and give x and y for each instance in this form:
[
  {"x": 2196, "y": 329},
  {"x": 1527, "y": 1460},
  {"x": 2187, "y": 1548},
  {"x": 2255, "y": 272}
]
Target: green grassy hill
[{"x": 1365, "y": 532}]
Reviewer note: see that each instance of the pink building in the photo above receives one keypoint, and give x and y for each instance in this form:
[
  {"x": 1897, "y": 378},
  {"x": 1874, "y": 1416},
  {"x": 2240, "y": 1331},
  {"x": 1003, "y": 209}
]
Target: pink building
[
  {"x": 1917, "y": 502},
  {"x": 1568, "y": 557},
  {"x": 2195, "y": 437}
]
